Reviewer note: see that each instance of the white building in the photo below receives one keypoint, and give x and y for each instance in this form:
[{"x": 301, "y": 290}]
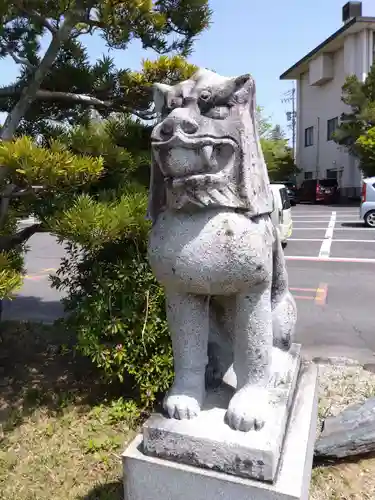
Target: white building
[{"x": 319, "y": 78}]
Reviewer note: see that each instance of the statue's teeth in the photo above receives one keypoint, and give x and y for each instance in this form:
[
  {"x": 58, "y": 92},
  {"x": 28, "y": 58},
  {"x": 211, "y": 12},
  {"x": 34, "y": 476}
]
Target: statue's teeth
[{"x": 206, "y": 154}]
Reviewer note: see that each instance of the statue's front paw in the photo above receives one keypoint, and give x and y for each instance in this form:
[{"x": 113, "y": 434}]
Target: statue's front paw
[
  {"x": 248, "y": 409},
  {"x": 181, "y": 407}
]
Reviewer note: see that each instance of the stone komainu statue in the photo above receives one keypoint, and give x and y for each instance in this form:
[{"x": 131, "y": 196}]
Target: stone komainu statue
[{"x": 214, "y": 248}]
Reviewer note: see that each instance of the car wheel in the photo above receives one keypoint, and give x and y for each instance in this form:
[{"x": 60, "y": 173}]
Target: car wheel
[{"x": 370, "y": 219}]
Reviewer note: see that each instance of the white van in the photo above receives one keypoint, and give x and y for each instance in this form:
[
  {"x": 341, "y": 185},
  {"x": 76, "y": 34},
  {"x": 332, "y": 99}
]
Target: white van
[{"x": 281, "y": 215}]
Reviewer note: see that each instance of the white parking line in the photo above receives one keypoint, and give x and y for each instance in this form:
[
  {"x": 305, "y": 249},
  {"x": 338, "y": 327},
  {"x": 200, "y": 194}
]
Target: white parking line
[
  {"x": 305, "y": 221},
  {"x": 321, "y": 218},
  {"x": 333, "y": 240},
  {"x": 336, "y": 228},
  {"x": 325, "y": 249},
  {"x": 329, "y": 259},
  {"x": 312, "y": 212},
  {"x": 327, "y": 220}
]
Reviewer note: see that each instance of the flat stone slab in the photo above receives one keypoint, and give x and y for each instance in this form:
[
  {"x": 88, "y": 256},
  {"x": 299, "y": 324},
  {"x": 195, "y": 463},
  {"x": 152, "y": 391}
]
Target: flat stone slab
[
  {"x": 208, "y": 442},
  {"x": 350, "y": 433},
  {"x": 150, "y": 478}
]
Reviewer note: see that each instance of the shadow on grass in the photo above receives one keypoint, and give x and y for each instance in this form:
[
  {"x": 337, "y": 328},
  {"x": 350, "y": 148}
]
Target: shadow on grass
[
  {"x": 331, "y": 461},
  {"x": 109, "y": 491},
  {"x": 39, "y": 367},
  {"x": 32, "y": 308}
]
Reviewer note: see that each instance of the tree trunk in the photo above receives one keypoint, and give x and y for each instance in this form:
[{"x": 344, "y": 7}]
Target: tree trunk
[{"x": 28, "y": 93}]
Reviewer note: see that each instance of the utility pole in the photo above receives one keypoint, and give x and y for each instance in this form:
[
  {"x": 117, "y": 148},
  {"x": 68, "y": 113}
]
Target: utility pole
[{"x": 291, "y": 116}]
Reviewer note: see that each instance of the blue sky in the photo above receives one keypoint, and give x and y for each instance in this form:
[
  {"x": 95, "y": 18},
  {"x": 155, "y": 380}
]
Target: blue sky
[{"x": 261, "y": 37}]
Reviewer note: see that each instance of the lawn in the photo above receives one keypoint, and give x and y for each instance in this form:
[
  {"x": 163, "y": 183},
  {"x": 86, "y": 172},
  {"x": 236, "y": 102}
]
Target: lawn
[
  {"x": 348, "y": 480},
  {"x": 62, "y": 431}
]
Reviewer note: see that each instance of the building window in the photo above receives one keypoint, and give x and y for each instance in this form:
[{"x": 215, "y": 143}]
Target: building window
[
  {"x": 308, "y": 175},
  {"x": 332, "y": 173},
  {"x": 331, "y": 128},
  {"x": 309, "y": 136}
]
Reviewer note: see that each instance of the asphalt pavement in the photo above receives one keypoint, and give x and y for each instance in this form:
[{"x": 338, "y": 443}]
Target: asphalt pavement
[
  {"x": 37, "y": 301},
  {"x": 331, "y": 264}
]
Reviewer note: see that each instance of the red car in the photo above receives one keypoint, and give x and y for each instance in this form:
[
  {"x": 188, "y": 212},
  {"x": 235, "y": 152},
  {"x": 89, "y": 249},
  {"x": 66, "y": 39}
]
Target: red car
[{"x": 319, "y": 190}]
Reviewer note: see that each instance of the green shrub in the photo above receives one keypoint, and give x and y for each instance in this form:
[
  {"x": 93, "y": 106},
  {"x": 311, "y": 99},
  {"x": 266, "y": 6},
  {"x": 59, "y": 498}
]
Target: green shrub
[
  {"x": 113, "y": 300},
  {"x": 11, "y": 261}
]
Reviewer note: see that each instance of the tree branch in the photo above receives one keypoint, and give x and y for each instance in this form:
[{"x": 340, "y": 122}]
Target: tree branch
[
  {"x": 29, "y": 91},
  {"x": 85, "y": 100},
  {"x": 33, "y": 14},
  {"x": 20, "y": 60},
  {"x": 12, "y": 191},
  {"x": 4, "y": 202},
  {"x": 9, "y": 242}
]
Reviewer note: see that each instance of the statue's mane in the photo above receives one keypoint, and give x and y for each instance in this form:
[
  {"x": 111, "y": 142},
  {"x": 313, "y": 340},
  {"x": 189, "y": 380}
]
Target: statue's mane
[{"x": 251, "y": 179}]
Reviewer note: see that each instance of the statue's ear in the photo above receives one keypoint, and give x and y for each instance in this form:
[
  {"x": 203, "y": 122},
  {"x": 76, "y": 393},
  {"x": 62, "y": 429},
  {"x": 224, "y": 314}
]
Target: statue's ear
[
  {"x": 160, "y": 91},
  {"x": 244, "y": 88}
]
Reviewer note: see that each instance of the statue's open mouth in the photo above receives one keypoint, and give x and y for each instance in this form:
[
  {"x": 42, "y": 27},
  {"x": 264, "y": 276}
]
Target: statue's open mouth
[{"x": 183, "y": 157}]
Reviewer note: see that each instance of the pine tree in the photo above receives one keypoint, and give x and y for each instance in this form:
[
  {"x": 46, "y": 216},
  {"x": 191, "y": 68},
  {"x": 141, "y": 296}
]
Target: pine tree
[
  {"x": 112, "y": 301},
  {"x": 356, "y": 131},
  {"x": 119, "y": 23},
  {"x": 41, "y": 172}
]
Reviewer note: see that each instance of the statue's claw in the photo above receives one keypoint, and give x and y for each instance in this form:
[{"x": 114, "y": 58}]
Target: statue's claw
[
  {"x": 248, "y": 409},
  {"x": 181, "y": 407}
]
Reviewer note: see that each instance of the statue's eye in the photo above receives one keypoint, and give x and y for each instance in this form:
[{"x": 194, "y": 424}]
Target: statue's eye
[{"x": 205, "y": 95}]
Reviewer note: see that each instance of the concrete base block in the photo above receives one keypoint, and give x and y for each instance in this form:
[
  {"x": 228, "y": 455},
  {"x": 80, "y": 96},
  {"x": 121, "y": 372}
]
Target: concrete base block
[
  {"x": 207, "y": 441},
  {"x": 150, "y": 478}
]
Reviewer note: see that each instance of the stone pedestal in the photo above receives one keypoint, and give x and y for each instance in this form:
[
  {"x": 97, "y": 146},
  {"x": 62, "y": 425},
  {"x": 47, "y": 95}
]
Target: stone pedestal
[
  {"x": 207, "y": 441},
  {"x": 150, "y": 478}
]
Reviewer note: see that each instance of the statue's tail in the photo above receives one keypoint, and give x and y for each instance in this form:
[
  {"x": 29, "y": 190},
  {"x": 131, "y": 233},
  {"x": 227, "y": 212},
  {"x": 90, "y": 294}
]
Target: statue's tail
[{"x": 284, "y": 310}]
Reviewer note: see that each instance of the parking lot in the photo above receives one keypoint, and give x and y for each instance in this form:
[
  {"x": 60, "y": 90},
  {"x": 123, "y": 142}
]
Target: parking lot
[
  {"x": 335, "y": 233},
  {"x": 331, "y": 263}
]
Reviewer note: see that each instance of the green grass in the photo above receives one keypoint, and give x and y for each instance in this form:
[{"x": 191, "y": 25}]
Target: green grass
[
  {"x": 62, "y": 432},
  {"x": 351, "y": 480}
]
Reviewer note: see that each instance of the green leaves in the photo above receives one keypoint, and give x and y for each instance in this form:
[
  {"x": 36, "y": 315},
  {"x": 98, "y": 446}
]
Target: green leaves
[
  {"x": 112, "y": 298},
  {"x": 279, "y": 159},
  {"x": 70, "y": 83},
  {"x": 50, "y": 167},
  {"x": 94, "y": 224},
  {"x": 277, "y": 154},
  {"x": 10, "y": 276},
  {"x": 136, "y": 85},
  {"x": 153, "y": 23},
  {"x": 360, "y": 97},
  {"x": 365, "y": 146},
  {"x": 115, "y": 304},
  {"x": 92, "y": 176},
  {"x": 356, "y": 130}
]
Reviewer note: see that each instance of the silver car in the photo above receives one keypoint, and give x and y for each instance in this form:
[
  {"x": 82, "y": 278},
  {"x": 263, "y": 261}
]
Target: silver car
[{"x": 368, "y": 201}]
